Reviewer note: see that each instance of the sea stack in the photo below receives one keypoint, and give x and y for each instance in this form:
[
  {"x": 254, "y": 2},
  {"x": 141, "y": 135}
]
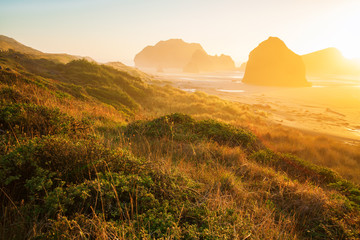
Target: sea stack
[
  {"x": 272, "y": 63},
  {"x": 173, "y": 53},
  {"x": 203, "y": 62}
]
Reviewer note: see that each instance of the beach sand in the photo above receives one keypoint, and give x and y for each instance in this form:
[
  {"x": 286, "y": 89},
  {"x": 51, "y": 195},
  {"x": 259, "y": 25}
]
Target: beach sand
[{"x": 331, "y": 106}]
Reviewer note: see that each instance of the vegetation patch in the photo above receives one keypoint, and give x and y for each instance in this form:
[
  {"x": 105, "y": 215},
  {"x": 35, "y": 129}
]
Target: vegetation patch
[
  {"x": 35, "y": 120},
  {"x": 181, "y": 127},
  {"x": 176, "y": 176},
  {"x": 51, "y": 177}
]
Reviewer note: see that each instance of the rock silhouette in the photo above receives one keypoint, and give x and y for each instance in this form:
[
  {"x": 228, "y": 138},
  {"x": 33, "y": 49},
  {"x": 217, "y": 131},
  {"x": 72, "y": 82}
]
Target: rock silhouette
[
  {"x": 272, "y": 63},
  {"x": 173, "y": 53},
  {"x": 202, "y": 62},
  {"x": 243, "y": 66},
  {"x": 329, "y": 61}
]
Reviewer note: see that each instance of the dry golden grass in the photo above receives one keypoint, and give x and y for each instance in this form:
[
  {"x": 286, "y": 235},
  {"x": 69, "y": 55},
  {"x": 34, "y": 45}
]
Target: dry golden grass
[
  {"x": 72, "y": 106},
  {"x": 336, "y": 153},
  {"x": 256, "y": 200},
  {"x": 332, "y": 152},
  {"x": 256, "y": 192}
]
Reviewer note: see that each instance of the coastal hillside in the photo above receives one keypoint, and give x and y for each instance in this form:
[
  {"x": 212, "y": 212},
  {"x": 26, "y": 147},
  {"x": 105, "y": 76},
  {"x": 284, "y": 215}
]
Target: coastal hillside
[
  {"x": 92, "y": 152},
  {"x": 7, "y": 43},
  {"x": 167, "y": 133}
]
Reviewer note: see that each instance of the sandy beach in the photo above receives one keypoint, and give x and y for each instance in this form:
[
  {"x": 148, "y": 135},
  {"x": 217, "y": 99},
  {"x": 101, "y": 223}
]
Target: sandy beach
[{"x": 331, "y": 106}]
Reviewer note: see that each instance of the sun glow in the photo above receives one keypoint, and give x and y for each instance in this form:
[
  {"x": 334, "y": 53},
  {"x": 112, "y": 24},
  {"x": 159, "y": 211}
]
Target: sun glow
[
  {"x": 305, "y": 26},
  {"x": 347, "y": 36}
]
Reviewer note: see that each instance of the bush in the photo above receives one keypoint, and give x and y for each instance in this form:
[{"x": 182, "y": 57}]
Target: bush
[
  {"x": 11, "y": 95},
  {"x": 181, "y": 127},
  {"x": 35, "y": 120},
  {"x": 56, "y": 176},
  {"x": 264, "y": 156}
]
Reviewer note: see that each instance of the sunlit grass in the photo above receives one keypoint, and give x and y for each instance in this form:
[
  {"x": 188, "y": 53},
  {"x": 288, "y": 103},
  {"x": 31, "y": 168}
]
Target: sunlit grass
[{"x": 77, "y": 165}]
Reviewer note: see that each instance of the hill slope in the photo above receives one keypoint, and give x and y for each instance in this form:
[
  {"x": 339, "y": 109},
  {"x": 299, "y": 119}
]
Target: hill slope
[
  {"x": 7, "y": 43},
  {"x": 80, "y": 159}
]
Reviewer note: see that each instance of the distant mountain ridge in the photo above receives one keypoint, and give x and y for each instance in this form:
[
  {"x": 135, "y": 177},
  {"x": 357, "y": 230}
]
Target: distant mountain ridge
[
  {"x": 329, "y": 61},
  {"x": 7, "y": 43}
]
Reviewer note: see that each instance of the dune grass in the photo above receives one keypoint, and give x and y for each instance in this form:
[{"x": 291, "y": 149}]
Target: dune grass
[{"x": 78, "y": 163}]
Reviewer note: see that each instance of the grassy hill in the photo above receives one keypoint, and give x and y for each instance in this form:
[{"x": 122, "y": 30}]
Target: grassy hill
[
  {"x": 7, "y": 43},
  {"x": 91, "y": 152}
]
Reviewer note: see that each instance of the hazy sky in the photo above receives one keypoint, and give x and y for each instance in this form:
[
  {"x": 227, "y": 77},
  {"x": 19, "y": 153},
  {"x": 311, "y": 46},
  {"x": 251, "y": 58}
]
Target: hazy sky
[{"x": 109, "y": 30}]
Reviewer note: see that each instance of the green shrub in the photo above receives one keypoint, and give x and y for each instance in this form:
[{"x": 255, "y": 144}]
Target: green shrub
[
  {"x": 11, "y": 95},
  {"x": 226, "y": 134},
  {"x": 53, "y": 176},
  {"x": 38, "y": 120},
  {"x": 264, "y": 156},
  {"x": 181, "y": 127},
  {"x": 9, "y": 78},
  {"x": 115, "y": 97}
]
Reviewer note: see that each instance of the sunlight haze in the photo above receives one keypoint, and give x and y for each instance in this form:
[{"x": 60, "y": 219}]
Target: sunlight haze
[
  {"x": 116, "y": 30},
  {"x": 180, "y": 119}
]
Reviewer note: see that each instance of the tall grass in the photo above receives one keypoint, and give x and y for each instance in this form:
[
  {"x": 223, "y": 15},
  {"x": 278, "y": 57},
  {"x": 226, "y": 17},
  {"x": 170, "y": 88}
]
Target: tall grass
[{"x": 79, "y": 164}]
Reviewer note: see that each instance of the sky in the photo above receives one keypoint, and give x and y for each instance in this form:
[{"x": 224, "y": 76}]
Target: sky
[{"x": 116, "y": 30}]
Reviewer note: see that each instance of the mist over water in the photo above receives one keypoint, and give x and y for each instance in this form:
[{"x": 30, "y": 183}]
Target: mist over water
[{"x": 235, "y": 80}]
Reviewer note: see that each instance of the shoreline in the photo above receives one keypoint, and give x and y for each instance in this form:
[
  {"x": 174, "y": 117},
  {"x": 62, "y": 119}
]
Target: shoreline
[{"x": 332, "y": 108}]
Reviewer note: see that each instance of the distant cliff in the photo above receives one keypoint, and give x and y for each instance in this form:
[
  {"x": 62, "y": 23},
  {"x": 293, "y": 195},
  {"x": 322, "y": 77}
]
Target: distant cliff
[
  {"x": 243, "y": 66},
  {"x": 272, "y": 63},
  {"x": 329, "y": 61},
  {"x": 177, "y": 54},
  {"x": 173, "y": 53},
  {"x": 202, "y": 62}
]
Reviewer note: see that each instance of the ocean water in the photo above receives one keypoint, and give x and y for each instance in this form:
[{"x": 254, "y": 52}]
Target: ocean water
[
  {"x": 230, "y": 90},
  {"x": 231, "y": 82},
  {"x": 188, "y": 89}
]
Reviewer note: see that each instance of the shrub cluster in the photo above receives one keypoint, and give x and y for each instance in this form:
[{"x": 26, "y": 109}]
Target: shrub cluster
[{"x": 181, "y": 127}]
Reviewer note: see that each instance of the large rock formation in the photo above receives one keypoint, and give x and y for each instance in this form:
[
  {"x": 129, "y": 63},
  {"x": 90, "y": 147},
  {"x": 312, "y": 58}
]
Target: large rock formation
[
  {"x": 179, "y": 55},
  {"x": 243, "y": 67},
  {"x": 272, "y": 63},
  {"x": 202, "y": 62},
  {"x": 173, "y": 53},
  {"x": 329, "y": 61}
]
